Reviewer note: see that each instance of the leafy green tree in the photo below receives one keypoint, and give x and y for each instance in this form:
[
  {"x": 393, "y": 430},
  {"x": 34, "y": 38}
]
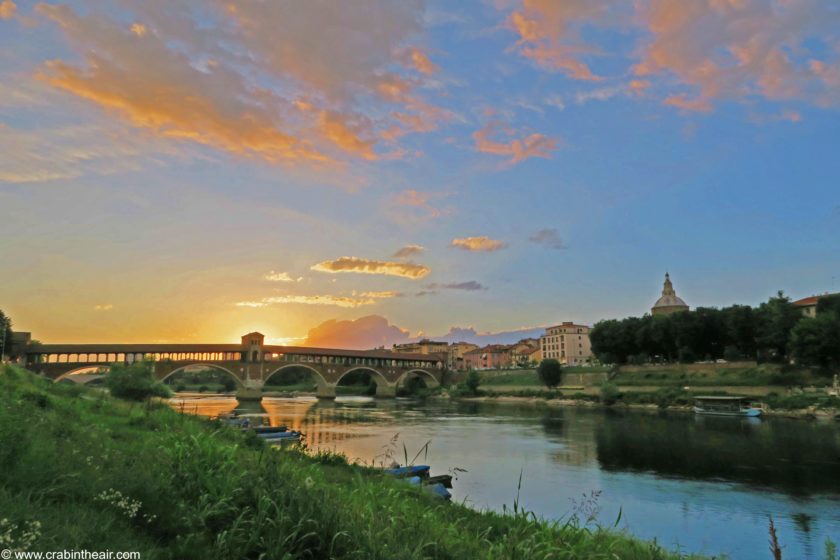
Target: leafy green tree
[
  {"x": 776, "y": 319},
  {"x": 829, "y": 304},
  {"x": 739, "y": 322},
  {"x": 815, "y": 341},
  {"x": 473, "y": 381},
  {"x": 550, "y": 373},
  {"x": 134, "y": 382}
]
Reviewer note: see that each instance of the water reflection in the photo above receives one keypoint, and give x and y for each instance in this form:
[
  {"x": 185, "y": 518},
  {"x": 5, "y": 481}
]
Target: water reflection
[{"x": 789, "y": 456}]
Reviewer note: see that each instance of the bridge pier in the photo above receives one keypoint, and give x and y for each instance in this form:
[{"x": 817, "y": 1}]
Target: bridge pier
[
  {"x": 325, "y": 391},
  {"x": 384, "y": 390},
  {"x": 248, "y": 394}
]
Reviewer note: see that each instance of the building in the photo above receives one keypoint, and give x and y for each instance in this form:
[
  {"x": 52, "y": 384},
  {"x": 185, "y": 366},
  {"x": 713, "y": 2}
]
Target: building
[
  {"x": 808, "y": 305},
  {"x": 567, "y": 343},
  {"x": 455, "y": 356},
  {"x": 522, "y": 352},
  {"x": 424, "y": 346},
  {"x": 532, "y": 356},
  {"x": 494, "y": 356},
  {"x": 669, "y": 302}
]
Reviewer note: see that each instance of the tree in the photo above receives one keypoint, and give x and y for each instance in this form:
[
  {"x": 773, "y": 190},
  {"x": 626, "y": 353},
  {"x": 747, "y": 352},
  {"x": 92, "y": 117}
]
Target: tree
[
  {"x": 776, "y": 319},
  {"x": 829, "y": 304},
  {"x": 815, "y": 341},
  {"x": 134, "y": 382},
  {"x": 6, "y": 334},
  {"x": 473, "y": 381},
  {"x": 550, "y": 373}
]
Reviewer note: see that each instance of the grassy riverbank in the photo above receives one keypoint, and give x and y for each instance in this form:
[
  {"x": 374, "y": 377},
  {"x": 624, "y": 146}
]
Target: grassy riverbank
[{"x": 81, "y": 470}]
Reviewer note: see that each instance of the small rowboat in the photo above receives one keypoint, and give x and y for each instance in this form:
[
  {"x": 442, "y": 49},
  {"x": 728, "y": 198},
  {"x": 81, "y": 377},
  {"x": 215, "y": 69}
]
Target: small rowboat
[
  {"x": 269, "y": 429},
  {"x": 414, "y": 470},
  {"x": 279, "y": 435}
]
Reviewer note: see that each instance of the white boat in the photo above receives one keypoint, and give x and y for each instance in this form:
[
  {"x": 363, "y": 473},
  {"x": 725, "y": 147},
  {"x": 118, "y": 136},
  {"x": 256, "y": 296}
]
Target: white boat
[{"x": 726, "y": 406}]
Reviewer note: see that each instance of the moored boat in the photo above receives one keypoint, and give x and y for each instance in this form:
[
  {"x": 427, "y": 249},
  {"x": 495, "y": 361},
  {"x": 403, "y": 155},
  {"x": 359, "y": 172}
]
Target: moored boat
[
  {"x": 726, "y": 406},
  {"x": 269, "y": 429}
]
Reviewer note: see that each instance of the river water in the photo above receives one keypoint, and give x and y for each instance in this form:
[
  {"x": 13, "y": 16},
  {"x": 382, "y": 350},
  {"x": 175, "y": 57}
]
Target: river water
[{"x": 697, "y": 484}]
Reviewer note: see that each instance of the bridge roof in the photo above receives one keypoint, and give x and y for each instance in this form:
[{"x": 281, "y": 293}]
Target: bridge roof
[{"x": 173, "y": 348}]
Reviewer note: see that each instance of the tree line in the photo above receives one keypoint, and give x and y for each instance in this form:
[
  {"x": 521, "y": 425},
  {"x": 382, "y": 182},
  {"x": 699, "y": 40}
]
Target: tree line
[{"x": 775, "y": 331}]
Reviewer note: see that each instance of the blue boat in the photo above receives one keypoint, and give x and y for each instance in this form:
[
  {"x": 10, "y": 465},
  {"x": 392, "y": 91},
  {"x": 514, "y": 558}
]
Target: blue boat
[
  {"x": 413, "y": 470},
  {"x": 279, "y": 435},
  {"x": 418, "y": 475},
  {"x": 438, "y": 490}
]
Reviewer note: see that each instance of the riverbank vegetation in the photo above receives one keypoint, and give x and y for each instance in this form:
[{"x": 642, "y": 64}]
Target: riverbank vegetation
[{"x": 80, "y": 469}]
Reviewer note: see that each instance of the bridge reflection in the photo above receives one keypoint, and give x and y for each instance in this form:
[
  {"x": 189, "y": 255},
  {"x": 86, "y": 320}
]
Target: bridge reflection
[{"x": 324, "y": 424}]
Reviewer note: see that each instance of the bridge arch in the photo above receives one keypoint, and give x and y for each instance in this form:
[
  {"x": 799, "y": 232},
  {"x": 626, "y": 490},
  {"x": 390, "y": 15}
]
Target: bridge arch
[
  {"x": 239, "y": 382},
  {"x": 426, "y": 376},
  {"x": 378, "y": 378},
  {"x": 317, "y": 375},
  {"x": 82, "y": 370}
]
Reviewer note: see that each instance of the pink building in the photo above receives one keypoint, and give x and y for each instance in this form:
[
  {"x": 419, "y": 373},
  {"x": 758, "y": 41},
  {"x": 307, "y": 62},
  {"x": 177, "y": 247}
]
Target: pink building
[{"x": 494, "y": 356}]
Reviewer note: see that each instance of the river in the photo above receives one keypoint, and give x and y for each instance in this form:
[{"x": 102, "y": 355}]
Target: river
[{"x": 700, "y": 484}]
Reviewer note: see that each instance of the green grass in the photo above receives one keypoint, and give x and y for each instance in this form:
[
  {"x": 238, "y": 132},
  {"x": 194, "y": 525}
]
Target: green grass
[
  {"x": 307, "y": 387},
  {"x": 527, "y": 377},
  {"x": 81, "y": 470},
  {"x": 761, "y": 375}
]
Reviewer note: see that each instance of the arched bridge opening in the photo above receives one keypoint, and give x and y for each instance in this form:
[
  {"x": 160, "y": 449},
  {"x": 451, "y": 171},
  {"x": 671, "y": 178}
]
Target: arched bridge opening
[{"x": 202, "y": 378}]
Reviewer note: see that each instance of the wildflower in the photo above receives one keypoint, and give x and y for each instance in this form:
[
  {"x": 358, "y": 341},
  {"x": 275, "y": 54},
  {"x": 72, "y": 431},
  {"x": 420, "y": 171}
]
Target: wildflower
[{"x": 309, "y": 483}]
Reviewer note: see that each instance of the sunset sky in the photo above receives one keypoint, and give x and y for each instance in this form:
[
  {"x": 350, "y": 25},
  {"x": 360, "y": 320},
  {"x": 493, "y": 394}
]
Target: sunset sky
[{"x": 181, "y": 171}]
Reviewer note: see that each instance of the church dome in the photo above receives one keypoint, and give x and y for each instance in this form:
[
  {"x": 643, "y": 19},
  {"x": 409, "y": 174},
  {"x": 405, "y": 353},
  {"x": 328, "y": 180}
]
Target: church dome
[{"x": 669, "y": 302}]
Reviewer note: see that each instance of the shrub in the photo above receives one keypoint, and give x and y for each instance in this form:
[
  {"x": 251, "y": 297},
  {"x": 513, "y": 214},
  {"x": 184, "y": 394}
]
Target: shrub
[
  {"x": 134, "y": 382},
  {"x": 550, "y": 373},
  {"x": 473, "y": 381},
  {"x": 228, "y": 384},
  {"x": 609, "y": 394}
]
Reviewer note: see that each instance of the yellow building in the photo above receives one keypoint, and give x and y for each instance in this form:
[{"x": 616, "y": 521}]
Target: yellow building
[
  {"x": 567, "y": 343},
  {"x": 455, "y": 355}
]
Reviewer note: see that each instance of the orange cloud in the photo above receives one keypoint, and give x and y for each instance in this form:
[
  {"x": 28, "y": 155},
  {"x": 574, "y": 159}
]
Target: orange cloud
[
  {"x": 7, "y": 9},
  {"x": 221, "y": 110},
  {"x": 549, "y": 33},
  {"x": 346, "y": 136},
  {"x": 206, "y": 81},
  {"x": 481, "y": 243},
  {"x": 367, "y": 266},
  {"x": 420, "y": 62},
  {"x": 533, "y": 145},
  {"x": 364, "y": 333},
  {"x": 721, "y": 49},
  {"x": 733, "y": 49}
]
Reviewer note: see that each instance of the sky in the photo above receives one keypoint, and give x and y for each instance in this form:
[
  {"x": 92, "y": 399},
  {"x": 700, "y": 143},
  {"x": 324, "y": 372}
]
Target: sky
[{"x": 363, "y": 173}]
